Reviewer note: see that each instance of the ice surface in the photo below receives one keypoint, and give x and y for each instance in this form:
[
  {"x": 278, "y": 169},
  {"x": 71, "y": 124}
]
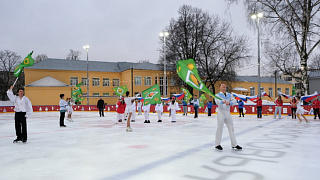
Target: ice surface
[{"x": 93, "y": 147}]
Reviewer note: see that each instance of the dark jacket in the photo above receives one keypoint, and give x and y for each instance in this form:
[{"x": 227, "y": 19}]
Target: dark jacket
[{"x": 100, "y": 104}]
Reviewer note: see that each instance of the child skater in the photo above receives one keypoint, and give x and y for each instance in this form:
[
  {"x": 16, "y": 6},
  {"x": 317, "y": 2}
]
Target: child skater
[
  {"x": 300, "y": 110},
  {"x": 120, "y": 110},
  {"x": 139, "y": 107},
  {"x": 133, "y": 110},
  {"x": 173, "y": 108},
  {"x": 146, "y": 110},
  {"x": 159, "y": 109},
  {"x": 70, "y": 110}
]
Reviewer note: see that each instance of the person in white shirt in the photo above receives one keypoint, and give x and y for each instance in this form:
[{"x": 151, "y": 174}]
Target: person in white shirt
[
  {"x": 133, "y": 110},
  {"x": 146, "y": 110},
  {"x": 23, "y": 110},
  {"x": 174, "y": 106},
  {"x": 224, "y": 116},
  {"x": 128, "y": 101},
  {"x": 196, "y": 103},
  {"x": 159, "y": 109},
  {"x": 63, "y": 108},
  {"x": 139, "y": 107}
]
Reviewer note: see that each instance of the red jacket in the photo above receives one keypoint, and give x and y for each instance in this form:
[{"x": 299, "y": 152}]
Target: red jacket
[
  {"x": 316, "y": 104},
  {"x": 121, "y": 107},
  {"x": 279, "y": 103},
  {"x": 259, "y": 102},
  {"x": 293, "y": 103}
]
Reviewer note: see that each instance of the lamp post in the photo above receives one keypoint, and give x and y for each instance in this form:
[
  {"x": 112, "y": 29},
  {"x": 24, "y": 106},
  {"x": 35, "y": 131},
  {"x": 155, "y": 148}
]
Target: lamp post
[
  {"x": 164, "y": 35},
  {"x": 257, "y": 18},
  {"x": 86, "y": 47}
]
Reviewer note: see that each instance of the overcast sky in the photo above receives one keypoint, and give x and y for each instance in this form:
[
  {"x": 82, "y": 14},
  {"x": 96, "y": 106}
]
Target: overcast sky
[{"x": 116, "y": 30}]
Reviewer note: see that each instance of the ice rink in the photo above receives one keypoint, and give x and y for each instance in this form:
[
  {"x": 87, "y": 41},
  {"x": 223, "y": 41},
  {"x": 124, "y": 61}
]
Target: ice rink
[{"x": 93, "y": 147}]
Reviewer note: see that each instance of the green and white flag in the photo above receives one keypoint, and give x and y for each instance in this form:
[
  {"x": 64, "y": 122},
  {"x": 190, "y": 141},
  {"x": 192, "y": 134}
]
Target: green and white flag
[
  {"x": 201, "y": 100},
  {"x": 121, "y": 90},
  {"x": 77, "y": 90},
  {"x": 293, "y": 90},
  {"x": 28, "y": 61},
  {"x": 151, "y": 95},
  {"x": 187, "y": 94},
  {"x": 188, "y": 72}
]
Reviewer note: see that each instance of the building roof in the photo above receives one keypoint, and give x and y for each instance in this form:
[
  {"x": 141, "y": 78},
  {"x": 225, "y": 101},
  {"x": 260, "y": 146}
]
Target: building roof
[
  {"x": 81, "y": 65},
  {"x": 262, "y": 79},
  {"x": 47, "y": 82},
  {"x": 314, "y": 74}
]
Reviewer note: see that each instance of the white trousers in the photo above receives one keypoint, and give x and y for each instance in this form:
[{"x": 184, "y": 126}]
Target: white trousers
[
  {"x": 119, "y": 116},
  {"x": 225, "y": 117},
  {"x": 173, "y": 114},
  {"x": 146, "y": 115},
  {"x": 159, "y": 115},
  {"x": 133, "y": 115}
]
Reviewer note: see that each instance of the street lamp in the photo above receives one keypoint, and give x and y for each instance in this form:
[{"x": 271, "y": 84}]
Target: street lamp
[
  {"x": 257, "y": 17},
  {"x": 86, "y": 47},
  {"x": 164, "y": 34}
]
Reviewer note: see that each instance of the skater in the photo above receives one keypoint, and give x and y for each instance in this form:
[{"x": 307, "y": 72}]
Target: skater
[
  {"x": 300, "y": 110},
  {"x": 23, "y": 110},
  {"x": 209, "y": 106},
  {"x": 316, "y": 106},
  {"x": 133, "y": 110},
  {"x": 159, "y": 109},
  {"x": 185, "y": 107},
  {"x": 101, "y": 106},
  {"x": 146, "y": 110},
  {"x": 224, "y": 116},
  {"x": 63, "y": 108},
  {"x": 240, "y": 106},
  {"x": 195, "y": 106},
  {"x": 174, "y": 106},
  {"x": 120, "y": 110},
  {"x": 293, "y": 103},
  {"x": 259, "y": 107},
  {"x": 70, "y": 110},
  {"x": 128, "y": 101},
  {"x": 279, "y": 104},
  {"x": 139, "y": 107}
]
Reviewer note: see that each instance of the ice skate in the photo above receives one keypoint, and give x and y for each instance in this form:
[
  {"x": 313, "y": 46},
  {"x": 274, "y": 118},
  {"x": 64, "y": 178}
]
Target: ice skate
[
  {"x": 16, "y": 140},
  {"x": 133, "y": 120},
  {"x": 159, "y": 120},
  {"x": 145, "y": 121},
  {"x": 237, "y": 147},
  {"x": 219, "y": 148},
  {"x": 129, "y": 129}
]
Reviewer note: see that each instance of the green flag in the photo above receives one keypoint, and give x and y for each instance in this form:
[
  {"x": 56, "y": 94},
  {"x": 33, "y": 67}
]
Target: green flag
[
  {"x": 151, "y": 95},
  {"x": 187, "y": 94},
  {"x": 293, "y": 90},
  {"x": 202, "y": 99},
  {"x": 28, "y": 61},
  {"x": 121, "y": 90},
  {"x": 77, "y": 90},
  {"x": 188, "y": 72}
]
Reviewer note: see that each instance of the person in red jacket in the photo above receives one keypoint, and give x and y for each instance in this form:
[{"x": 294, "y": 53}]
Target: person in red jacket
[
  {"x": 293, "y": 103},
  {"x": 279, "y": 104},
  {"x": 316, "y": 107},
  {"x": 259, "y": 107},
  {"x": 120, "y": 110}
]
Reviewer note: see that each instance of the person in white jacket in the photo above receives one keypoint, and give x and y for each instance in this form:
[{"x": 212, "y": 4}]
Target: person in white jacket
[
  {"x": 133, "y": 111},
  {"x": 173, "y": 106},
  {"x": 146, "y": 110},
  {"x": 139, "y": 107},
  {"x": 159, "y": 110},
  {"x": 23, "y": 110},
  {"x": 224, "y": 116}
]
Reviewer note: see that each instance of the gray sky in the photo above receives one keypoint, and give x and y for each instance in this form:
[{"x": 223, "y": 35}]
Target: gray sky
[{"x": 121, "y": 30}]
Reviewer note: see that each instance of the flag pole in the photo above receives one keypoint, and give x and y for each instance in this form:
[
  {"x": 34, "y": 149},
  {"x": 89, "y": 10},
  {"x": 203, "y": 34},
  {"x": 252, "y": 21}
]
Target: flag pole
[{"x": 15, "y": 81}]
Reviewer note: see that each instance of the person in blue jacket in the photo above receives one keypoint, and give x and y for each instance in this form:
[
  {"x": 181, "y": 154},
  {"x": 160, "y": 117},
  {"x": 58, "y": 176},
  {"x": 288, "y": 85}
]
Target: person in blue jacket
[
  {"x": 240, "y": 105},
  {"x": 209, "y": 106}
]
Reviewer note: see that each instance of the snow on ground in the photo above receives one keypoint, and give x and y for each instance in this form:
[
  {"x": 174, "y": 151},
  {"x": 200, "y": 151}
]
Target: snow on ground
[{"x": 93, "y": 147}]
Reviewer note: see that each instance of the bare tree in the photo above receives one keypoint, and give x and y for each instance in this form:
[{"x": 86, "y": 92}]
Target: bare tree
[
  {"x": 315, "y": 62},
  {"x": 41, "y": 57},
  {"x": 211, "y": 42},
  {"x": 73, "y": 55},
  {"x": 295, "y": 22},
  {"x": 8, "y": 62}
]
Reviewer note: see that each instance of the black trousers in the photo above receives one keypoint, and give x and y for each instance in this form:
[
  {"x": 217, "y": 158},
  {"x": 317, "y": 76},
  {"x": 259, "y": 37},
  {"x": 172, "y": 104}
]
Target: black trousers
[
  {"x": 316, "y": 111},
  {"x": 20, "y": 121},
  {"x": 62, "y": 115},
  {"x": 196, "y": 111},
  {"x": 101, "y": 112},
  {"x": 293, "y": 113},
  {"x": 259, "y": 109},
  {"x": 209, "y": 111},
  {"x": 241, "y": 111}
]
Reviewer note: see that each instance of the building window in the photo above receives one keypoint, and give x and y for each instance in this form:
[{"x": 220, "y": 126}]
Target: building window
[
  {"x": 161, "y": 83},
  {"x": 261, "y": 90},
  {"x": 84, "y": 81},
  {"x": 106, "y": 94},
  {"x": 252, "y": 93},
  {"x": 270, "y": 91},
  {"x": 137, "y": 80},
  {"x": 106, "y": 82},
  {"x": 287, "y": 91},
  {"x": 116, "y": 82},
  {"x": 73, "y": 81},
  {"x": 173, "y": 81},
  {"x": 288, "y": 78},
  {"x": 156, "y": 80},
  {"x": 95, "y": 82},
  {"x": 147, "y": 81},
  {"x": 278, "y": 90},
  {"x": 95, "y": 94},
  {"x": 298, "y": 85}
]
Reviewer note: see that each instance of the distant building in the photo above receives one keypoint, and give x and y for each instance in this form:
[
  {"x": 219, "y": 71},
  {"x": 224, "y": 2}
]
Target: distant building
[
  {"x": 314, "y": 81},
  {"x": 295, "y": 81}
]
